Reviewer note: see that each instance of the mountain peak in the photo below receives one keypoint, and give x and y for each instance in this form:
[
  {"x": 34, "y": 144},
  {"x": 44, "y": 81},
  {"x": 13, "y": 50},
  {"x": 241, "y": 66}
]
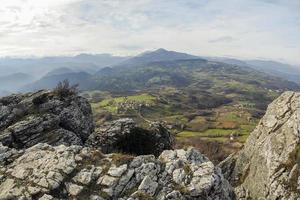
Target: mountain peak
[
  {"x": 161, "y": 50},
  {"x": 157, "y": 56}
]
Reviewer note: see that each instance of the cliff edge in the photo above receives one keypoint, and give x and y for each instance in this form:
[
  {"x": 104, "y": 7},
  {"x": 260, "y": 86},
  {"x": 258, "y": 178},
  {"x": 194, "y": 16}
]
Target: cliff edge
[{"x": 268, "y": 165}]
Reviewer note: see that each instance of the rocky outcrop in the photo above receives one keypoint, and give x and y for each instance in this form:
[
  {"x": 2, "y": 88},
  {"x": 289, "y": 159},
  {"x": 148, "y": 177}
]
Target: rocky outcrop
[
  {"x": 268, "y": 167},
  {"x": 48, "y": 151},
  {"x": 124, "y": 136},
  {"x": 76, "y": 172},
  {"x": 44, "y": 117}
]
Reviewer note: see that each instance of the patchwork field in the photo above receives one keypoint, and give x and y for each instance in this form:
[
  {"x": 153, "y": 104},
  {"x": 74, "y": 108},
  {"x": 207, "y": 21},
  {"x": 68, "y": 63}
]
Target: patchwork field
[{"x": 225, "y": 127}]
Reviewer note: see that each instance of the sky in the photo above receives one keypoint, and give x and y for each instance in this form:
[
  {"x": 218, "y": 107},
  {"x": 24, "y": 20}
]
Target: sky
[{"x": 247, "y": 29}]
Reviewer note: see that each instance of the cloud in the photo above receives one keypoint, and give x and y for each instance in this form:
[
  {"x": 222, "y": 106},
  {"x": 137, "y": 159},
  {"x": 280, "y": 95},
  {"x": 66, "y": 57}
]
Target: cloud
[
  {"x": 245, "y": 29},
  {"x": 130, "y": 47},
  {"x": 222, "y": 39}
]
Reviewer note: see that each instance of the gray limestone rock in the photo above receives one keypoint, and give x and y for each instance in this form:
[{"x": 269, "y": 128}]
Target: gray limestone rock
[
  {"x": 44, "y": 117},
  {"x": 123, "y": 135},
  {"x": 268, "y": 165},
  {"x": 55, "y": 172}
]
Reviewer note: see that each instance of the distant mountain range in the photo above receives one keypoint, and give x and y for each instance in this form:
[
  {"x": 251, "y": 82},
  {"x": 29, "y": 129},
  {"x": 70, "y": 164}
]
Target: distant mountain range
[
  {"x": 14, "y": 81},
  {"x": 39, "y": 67},
  {"x": 15, "y": 72},
  {"x": 83, "y": 79},
  {"x": 286, "y": 71},
  {"x": 94, "y": 71}
]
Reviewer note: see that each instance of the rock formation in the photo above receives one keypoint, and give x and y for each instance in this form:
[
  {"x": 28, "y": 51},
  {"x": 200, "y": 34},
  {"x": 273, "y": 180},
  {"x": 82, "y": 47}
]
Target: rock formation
[
  {"x": 124, "y": 136},
  {"x": 48, "y": 151},
  {"x": 268, "y": 167},
  {"x": 76, "y": 172},
  {"x": 44, "y": 116}
]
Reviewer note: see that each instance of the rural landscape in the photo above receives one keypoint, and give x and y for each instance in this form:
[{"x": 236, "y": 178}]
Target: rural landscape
[
  {"x": 149, "y": 100},
  {"x": 203, "y": 102}
]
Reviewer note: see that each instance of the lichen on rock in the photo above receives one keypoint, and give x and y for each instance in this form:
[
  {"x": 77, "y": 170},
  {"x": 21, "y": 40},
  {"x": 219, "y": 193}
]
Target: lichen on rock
[
  {"x": 63, "y": 172},
  {"x": 268, "y": 165},
  {"x": 44, "y": 117}
]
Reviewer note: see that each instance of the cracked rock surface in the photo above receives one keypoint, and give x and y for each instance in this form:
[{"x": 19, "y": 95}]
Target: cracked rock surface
[
  {"x": 44, "y": 117},
  {"x": 75, "y": 172},
  {"x": 268, "y": 166}
]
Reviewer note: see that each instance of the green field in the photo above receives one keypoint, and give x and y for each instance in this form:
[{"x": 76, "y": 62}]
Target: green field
[
  {"x": 111, "y": 104},
  {"x": 167, "y": 105}
]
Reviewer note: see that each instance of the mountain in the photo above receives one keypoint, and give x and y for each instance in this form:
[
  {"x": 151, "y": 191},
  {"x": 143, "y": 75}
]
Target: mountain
[
  {"x": 48, "y": 82},
  {"x": 231, "y": 61},
  {"x": 39, "y": 67},
  {"x": 156, "y": 56},
  {"x": 285, "y": 71},
  {"x": 58, "y": 71},
  {"x": 192, "y": 75},
  {"x": 182, "y": 73},
  {"x": 200, "y": 84},
  {"x": 11, "y": 82}
]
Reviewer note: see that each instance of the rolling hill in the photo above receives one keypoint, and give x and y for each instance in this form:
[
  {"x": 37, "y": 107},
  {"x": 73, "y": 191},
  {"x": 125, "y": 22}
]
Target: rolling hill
[
  {"x": 152, "y": 70},
  {"x": 39, "y": 67},
  {"x": 195, "y": 97},
  {"x": 12, "y": 82},
  {"x": 285, "y": 71},
  {"x": 50, "y": 81}
]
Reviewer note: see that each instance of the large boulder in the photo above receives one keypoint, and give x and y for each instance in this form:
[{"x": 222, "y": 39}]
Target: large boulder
[
  {"x": 124, "y": 135},
  {"x": 268, "y": 167},
  {"x": 76, "y": 172},
  {"x": 44, "y": 116}
]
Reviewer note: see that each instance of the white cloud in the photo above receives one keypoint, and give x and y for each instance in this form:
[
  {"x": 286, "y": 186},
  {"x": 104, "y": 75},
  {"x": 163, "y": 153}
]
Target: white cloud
[{"x": 240, "y": 28}]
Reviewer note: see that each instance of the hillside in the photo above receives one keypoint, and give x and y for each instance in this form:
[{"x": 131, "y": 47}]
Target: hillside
[
  {"x": 198, "y": 99},
  {"x": 58, "y": 71},
  {"x": 285, "y": 71},
  {"x": 51, "y": 80},
  {"x": 103, "y": 67},
  {"x": 13, "y": 82},
  {"x": 39, "y": 67},
  {"x": 181, "y": 73},
  {"x": 49, "y": 149},
  {"x": 156, "y": 56}
]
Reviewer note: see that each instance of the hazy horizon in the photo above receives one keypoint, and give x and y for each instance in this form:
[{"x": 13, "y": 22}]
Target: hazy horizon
[{"x": 258, "y": 29}]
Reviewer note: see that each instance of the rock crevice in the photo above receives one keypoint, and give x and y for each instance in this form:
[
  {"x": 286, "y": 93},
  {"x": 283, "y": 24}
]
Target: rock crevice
[{"x": 124, "y": 136}]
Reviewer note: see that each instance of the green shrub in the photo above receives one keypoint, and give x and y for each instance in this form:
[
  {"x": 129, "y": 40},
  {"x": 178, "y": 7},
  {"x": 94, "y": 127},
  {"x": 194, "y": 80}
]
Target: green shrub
[{"x": 64, "y": 89}]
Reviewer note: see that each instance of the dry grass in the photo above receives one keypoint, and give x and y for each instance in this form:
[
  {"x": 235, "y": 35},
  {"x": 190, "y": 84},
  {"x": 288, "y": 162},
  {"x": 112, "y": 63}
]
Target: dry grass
[
  {"x": 119, "y": 159},
  {"x": 215, "y": 151}
]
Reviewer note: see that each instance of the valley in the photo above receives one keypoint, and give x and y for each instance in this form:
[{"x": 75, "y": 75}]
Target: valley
[
  {"x": 222, "y": 121},
  {"x": 208, "y": 103},
  {"x": 226, "y": 126},
  {"x": 149, "y": 100}
]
